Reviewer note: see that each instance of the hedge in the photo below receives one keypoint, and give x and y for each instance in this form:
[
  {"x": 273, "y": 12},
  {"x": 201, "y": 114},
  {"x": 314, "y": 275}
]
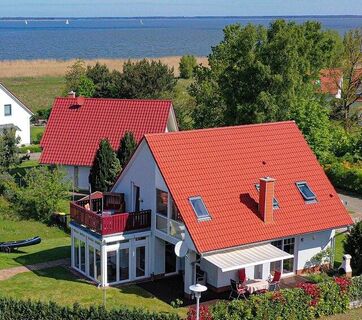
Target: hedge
[
  {"x": 355, "y": 292},
  {"x": 32, "y": 147},
  {"x": 349, "y": 179},
  {"x": 307, "y": 302},
  {"x": 11, "y": 309}
]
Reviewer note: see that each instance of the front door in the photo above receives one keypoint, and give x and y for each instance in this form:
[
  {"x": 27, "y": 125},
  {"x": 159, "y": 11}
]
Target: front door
[
  {"x": 140, "y": 258},
  {"x": 170, "y": 258}
]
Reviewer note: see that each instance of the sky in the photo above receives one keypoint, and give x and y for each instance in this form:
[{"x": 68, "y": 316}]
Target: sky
[{"x": 124, "y": 8}]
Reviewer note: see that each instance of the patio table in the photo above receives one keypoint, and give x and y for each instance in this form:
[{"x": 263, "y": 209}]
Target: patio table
[{"x": 254, "y": 285}]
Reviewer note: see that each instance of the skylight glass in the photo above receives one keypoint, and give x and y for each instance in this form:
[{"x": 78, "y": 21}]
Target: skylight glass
[
  {"x": 275, "y": 201},
  {"x": 199, "y": 208},
  {"x": 306, "y": 191}
]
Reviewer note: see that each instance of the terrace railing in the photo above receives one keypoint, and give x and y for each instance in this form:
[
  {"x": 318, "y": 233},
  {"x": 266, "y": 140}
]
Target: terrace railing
[{"x": 106, "y": 224}]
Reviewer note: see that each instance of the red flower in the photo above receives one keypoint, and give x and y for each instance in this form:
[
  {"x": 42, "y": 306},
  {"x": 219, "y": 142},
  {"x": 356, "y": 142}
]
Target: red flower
[
  {"x": 278, "y": 297},
  {"x": 312, "y": 290},
  {"x": 343, "y": 284},
  {"x": 205, "y": 314}
]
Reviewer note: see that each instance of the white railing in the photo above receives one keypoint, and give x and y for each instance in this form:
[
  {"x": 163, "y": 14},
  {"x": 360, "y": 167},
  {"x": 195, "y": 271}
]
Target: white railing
[{"x": 169, "y": 226}]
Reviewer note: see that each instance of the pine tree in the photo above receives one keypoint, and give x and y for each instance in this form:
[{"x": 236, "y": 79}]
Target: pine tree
[
  {"x": 126, "y": 148},
  {"x": 105, "y": 167}
]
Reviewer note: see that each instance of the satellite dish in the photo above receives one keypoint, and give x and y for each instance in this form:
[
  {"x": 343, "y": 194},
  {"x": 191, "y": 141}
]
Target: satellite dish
[{"x": 181, "y": 249}]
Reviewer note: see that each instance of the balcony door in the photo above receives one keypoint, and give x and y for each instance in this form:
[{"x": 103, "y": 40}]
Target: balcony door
[{"x": 136, "y": 198}]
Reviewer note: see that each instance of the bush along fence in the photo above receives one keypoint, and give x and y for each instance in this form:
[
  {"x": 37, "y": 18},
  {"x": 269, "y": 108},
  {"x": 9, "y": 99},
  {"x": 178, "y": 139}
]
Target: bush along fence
[
  {"x": 11, "y": 309},
  {"x": 308, "y": 301}
]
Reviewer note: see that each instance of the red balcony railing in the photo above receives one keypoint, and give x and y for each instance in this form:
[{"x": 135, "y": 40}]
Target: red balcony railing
[{"x": 105, "y": 223}]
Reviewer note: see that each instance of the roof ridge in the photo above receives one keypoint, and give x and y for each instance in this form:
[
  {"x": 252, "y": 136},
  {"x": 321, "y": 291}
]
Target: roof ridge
[
  {"x": 223, "y": 128},
  {"x": 119, "y": 99}
]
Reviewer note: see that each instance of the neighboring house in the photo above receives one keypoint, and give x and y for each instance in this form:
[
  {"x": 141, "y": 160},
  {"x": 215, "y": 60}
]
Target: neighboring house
[
  {"x": 252, "y": 197},
  {"x": 14, "y": 114},
  {"x": 76, "y": 126}
]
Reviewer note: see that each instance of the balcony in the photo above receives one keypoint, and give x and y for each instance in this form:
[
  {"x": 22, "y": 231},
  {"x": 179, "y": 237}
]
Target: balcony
[{"x": 104, "y": 214}]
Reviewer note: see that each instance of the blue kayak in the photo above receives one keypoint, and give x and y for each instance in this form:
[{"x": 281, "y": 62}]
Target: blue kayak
[{"x": 9, "y": 245}]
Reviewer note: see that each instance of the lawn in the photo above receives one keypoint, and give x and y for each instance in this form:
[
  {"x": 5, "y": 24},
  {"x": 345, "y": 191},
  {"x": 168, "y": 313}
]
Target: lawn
[
  {"x": 55, "y": 243},
  {"x": 59, "y": 285},
  {"x": 35, "y": 132},
  {"x": 355, "y": 314},
  {"x": 20, "y": 170},
  {"x": 38, "y": 92},
  {"x": 339, "y": 249}
]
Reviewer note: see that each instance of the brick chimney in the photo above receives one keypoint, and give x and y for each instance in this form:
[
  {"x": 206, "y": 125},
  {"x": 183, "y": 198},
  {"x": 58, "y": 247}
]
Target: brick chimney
[
  {"x": 71, "y": 94},
  {"x": 266, "y": 196},
  {"x": 80, "y": 101}
]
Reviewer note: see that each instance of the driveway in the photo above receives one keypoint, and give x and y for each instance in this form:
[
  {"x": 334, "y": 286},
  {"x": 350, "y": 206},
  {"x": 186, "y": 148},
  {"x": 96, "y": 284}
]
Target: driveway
[{"x": 353, "y": 204}]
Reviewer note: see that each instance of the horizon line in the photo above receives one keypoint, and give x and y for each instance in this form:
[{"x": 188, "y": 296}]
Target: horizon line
[{"x": 180, "y": 17}]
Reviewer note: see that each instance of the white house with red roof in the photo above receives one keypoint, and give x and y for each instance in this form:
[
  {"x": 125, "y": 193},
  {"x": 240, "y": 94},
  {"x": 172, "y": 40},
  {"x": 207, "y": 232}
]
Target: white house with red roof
[
  {"x": 250, "y": 198},
  {"x": 14, "y": 114},
  {"x": 76, "y": 126}
]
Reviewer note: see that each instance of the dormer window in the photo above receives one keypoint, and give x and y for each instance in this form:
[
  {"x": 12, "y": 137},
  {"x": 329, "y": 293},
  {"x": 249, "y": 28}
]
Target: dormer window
[
  {"x": 306, "y": 192},
  {"x": 199, "y": 208},
  {"x": 275, "y": 201}
]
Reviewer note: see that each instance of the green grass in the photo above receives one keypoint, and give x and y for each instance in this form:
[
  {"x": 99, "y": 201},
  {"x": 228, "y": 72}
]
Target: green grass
[
  {"x": 38, "y": 92},
  {"x": 355, "y": 314},
  {"x": 55, "y": 243},
  {"x": 34, "y": 134},
  {"x": 21, "y": 169},
  {"x": 59, "y": 285},
  {"x": 339, "y": 249}
]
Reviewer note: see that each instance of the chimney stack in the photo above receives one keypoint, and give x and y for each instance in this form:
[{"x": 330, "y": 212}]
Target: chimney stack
[
  {"x": 266, "y": 196},
  {"x": 71, "y": 94}
]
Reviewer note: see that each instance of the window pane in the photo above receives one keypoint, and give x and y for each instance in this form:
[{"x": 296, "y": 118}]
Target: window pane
[
  {"x": 161, "y": 202},
  {"x": 112, "y": 266},
  {"x": 140, "y": 261},
  {"x": 82, "y": 255},
  {"x": 123, "y": 264},
  {"x": 289, "y": 245},
  {"x": 98, "y": 265},
  {"x": 175, "y": 214},
  {"x": 76, "y": 253},
  {"x": 288, "y": 265},
  {"x": 199, "y": 208},
  {"x": 91, "y": 262},
  {"x": 278, "y": 244},
  {"x": 7, "y": 110},
  {"x": 275, "y": 266},
  {"x": 305, "y": 190}
]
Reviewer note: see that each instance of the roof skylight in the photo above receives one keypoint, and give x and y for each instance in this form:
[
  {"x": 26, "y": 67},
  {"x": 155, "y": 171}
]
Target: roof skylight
[
  {"x": 306, "y": 191},
  {"x": 199, "y": 208},
  {"x": 275, "y": 201}
]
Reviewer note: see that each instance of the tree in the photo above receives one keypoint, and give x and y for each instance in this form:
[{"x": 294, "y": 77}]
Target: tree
[
  {"x": 74, "y": 75},
  {"x": 102, "y": 78},
  {"x": 126, "y": 148},
  {"x": 353, "y": 246},
  {"x": 8, "y": 148},
  {"x": 348, "y": 78},
  {"x": 143, "y": 80},
  {"x": 42, "y": 194},
  {"x": 187, "y": 66},
  {"x": 105, "y": 167},
  {"x": 257, "y": 74},
  {"x": 86, "y": 87}
]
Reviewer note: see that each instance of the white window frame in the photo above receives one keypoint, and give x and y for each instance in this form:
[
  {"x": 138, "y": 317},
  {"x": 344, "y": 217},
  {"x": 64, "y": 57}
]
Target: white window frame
[
  {"x": 11, "y": 110},
  {"x": 307, "y": 199},
  {"x": 200, "y": 218}
]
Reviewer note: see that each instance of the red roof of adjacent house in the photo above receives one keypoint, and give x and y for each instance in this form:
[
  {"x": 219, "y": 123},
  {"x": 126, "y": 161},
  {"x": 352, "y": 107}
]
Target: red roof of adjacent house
[
  {"x": 76, "y": 127},
  {"x": 223, "y": 165},
  {"x": 329, "y": 80}
]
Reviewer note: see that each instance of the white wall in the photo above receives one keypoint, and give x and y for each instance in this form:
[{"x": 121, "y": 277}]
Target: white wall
[
  {"x": 309, "y": 245},
  {"x": 19, "y": 117},
  {"x": 83, "y": 174}
]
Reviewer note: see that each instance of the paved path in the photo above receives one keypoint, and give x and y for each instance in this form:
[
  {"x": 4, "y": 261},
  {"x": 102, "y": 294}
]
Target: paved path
[
  {"x": 352, "y": 203},
  {"x": 8, "y": 273}
]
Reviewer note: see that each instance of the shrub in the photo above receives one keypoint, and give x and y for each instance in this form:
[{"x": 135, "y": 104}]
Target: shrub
[
  {"x": 355, "y": 290},
  {"x": 126, "y": 148},
  {"x": 205, "y": 314},
  {"x": 345, "y": 178},
  {"x": 353, "y": 246},
  {"x": 32, "y": 148},
  {"x": 187, "y": 66},
  {"x": 18, "y": 309}
]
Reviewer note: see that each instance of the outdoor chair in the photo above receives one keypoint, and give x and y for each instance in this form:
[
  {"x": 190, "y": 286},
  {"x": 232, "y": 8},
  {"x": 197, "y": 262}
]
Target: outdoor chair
[
  {"x": 237, "y": 290},
  {"x": 274, "y": 284},
  {"x": 242, "y": 276}
]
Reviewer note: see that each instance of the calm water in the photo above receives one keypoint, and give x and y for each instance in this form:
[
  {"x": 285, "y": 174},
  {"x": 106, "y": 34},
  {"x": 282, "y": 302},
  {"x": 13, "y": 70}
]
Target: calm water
[{"x": 127, "y": 38}]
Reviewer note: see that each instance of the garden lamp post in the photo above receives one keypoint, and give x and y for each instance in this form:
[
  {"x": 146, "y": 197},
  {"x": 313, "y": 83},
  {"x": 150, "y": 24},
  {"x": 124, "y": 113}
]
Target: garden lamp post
[{"x": 197, "y": 289}]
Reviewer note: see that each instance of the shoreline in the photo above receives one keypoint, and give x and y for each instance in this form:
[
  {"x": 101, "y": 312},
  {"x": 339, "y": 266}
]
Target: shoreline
[{"x": 53, "y": 67}]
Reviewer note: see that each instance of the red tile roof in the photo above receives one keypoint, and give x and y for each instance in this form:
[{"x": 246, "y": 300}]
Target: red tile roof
[
  {"x": 329, "y": 79},
  {"x": 223, "y": 165},
  {"x": 73, "y": 132}
]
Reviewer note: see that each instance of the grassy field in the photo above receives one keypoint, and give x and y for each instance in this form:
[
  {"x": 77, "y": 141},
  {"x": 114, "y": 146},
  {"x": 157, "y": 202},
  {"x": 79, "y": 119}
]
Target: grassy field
[
  {"x": 355, "y": 314},
  {"x": 55, "y": 243},
  {"x": 38, "y": 92},
  {"x": 59, "y": 285},
  {"x": 339, "y": 249},
  {"x": 34, "y": 134}
]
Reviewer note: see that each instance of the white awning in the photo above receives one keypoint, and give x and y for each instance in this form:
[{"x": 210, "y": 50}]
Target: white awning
[{"x": 251, "y": 256}]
